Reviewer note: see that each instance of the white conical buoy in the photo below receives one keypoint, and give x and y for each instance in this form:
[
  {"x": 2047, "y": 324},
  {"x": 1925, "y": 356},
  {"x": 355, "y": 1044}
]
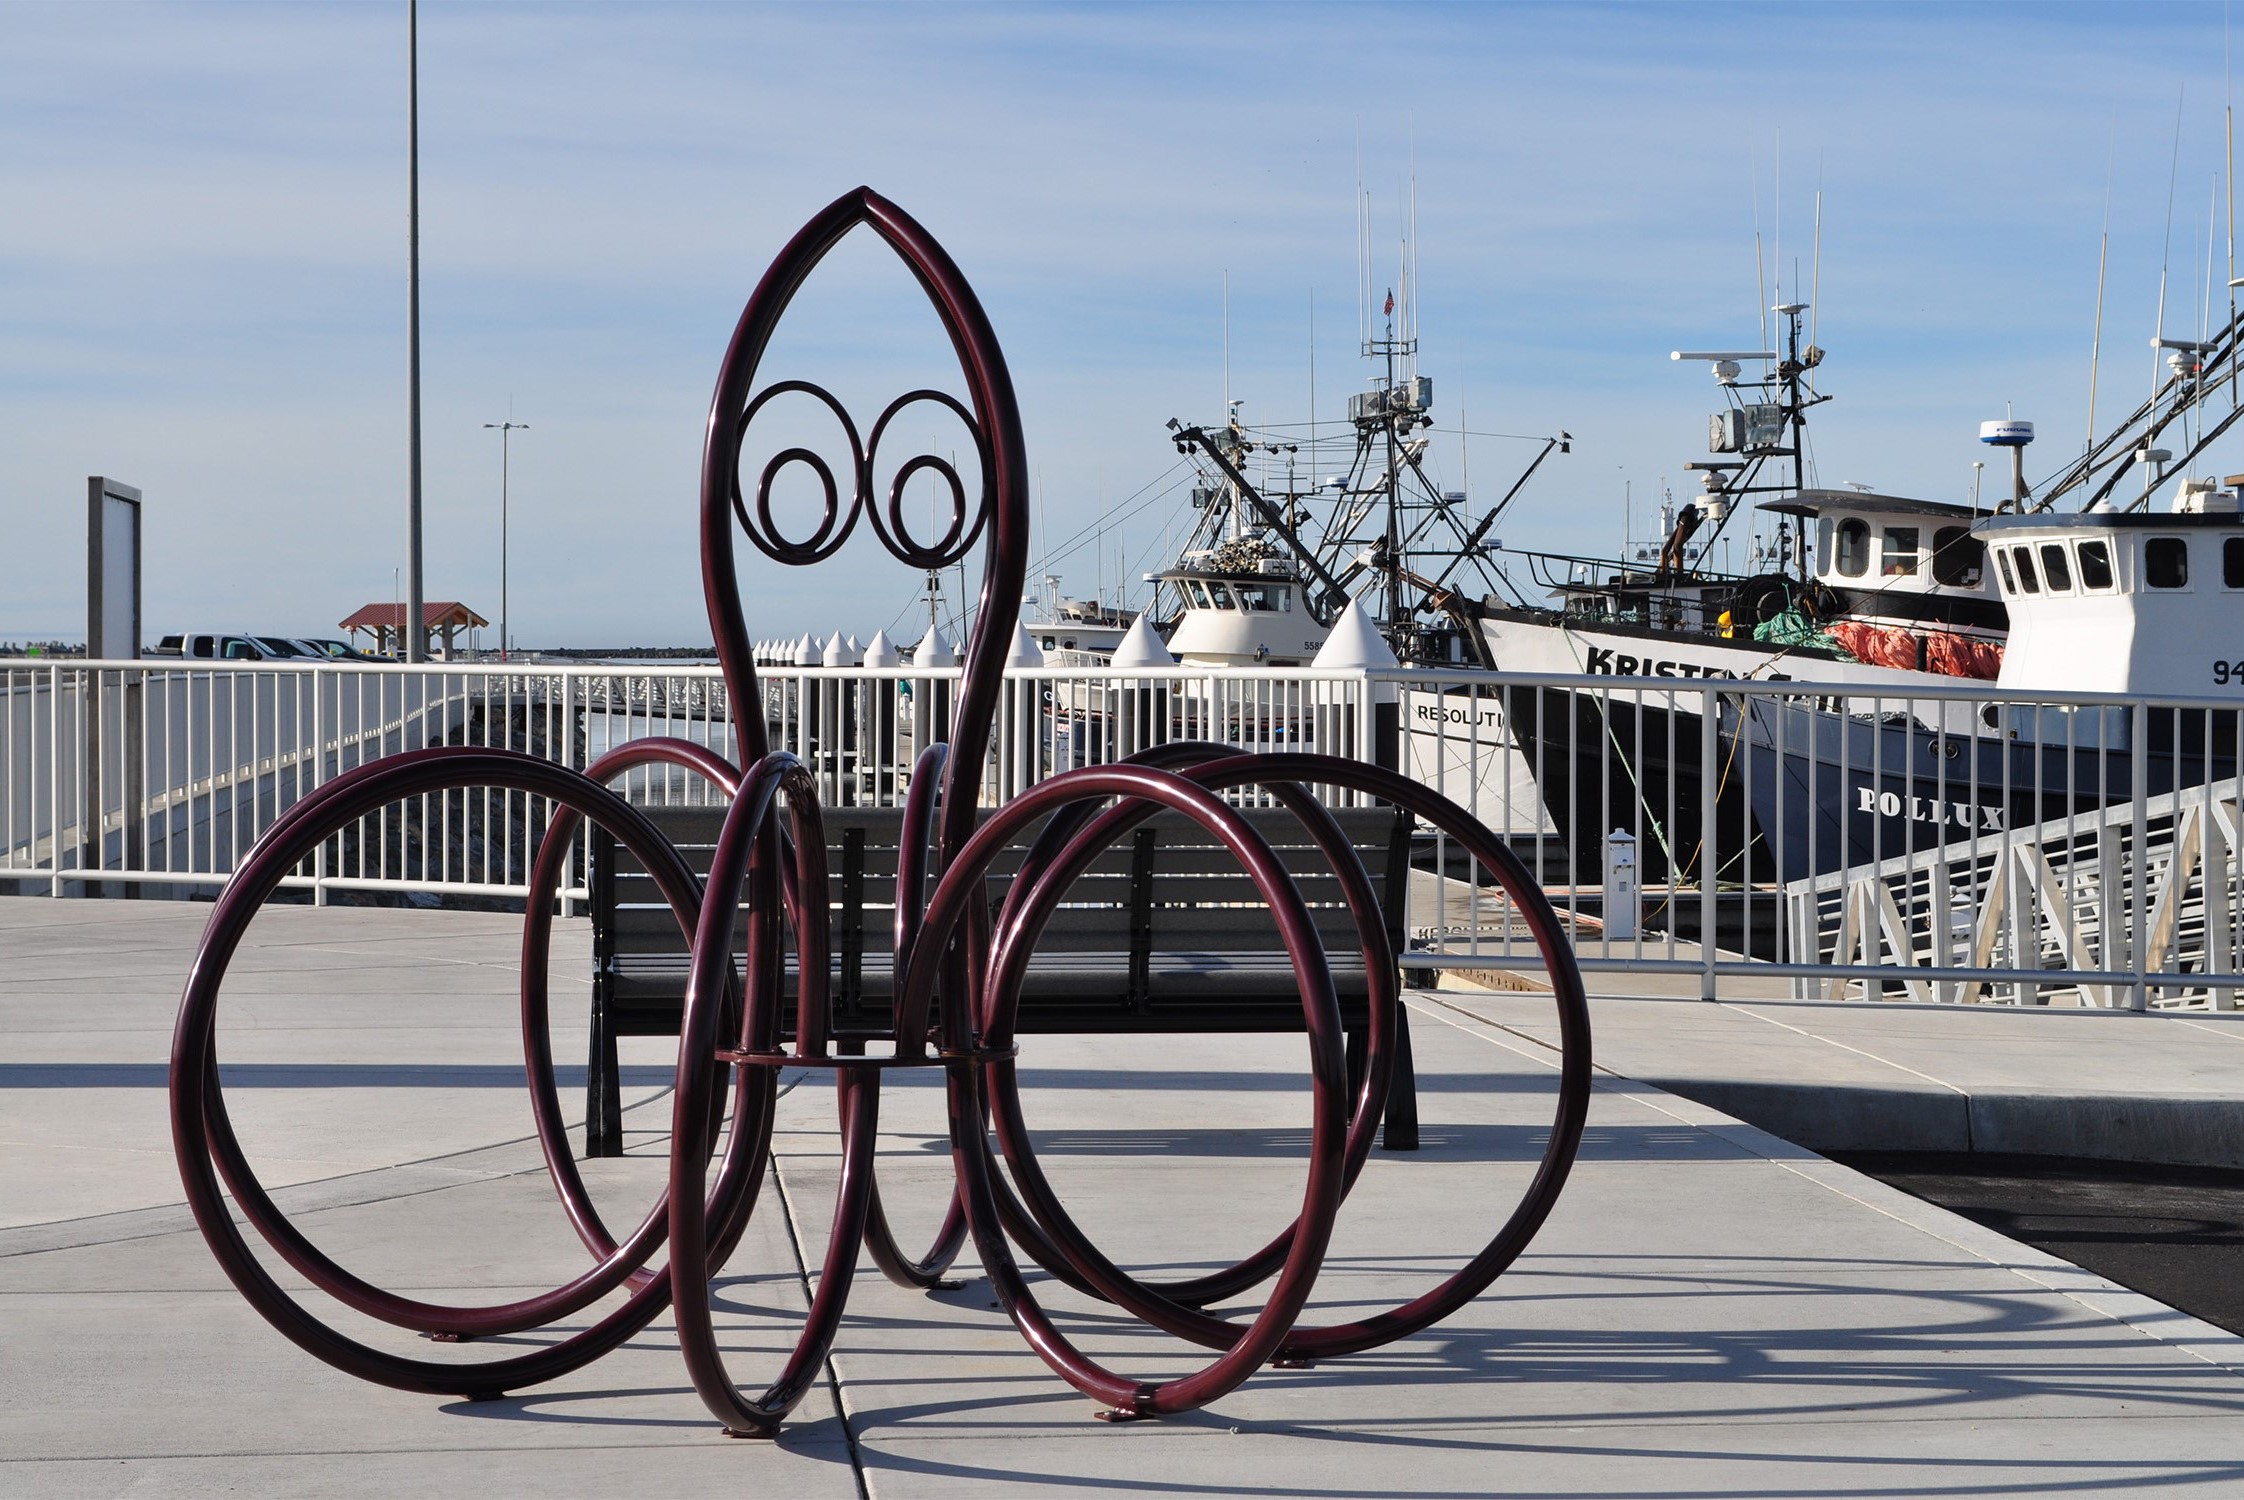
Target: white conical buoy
[
  {"x": 880, "y": 651},
  {"x": 1140, "y": 647},
  {"x": 1025, "y": 652},
  {"x": 838, "y": 654},
  {"x": 1354, "y": 644},
  {"x": 934, "y": 652},
  {"x": 806, "y": 651}
]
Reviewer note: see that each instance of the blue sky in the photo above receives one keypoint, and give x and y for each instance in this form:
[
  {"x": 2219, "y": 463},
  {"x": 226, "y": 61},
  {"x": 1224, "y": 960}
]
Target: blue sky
[{"x": 202, "y": 258}]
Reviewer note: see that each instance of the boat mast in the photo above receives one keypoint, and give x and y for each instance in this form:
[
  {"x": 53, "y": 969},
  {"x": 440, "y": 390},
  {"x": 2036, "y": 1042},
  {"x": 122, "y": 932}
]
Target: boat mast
[{"x": 1790, "y": 371}]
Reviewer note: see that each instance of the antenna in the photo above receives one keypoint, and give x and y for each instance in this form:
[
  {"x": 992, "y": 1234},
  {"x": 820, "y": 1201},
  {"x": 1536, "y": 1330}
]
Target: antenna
[
  {"x": 1410, "y": 312},
  {"x": 1815, "y": 293},
  {"x": 2096, "y": 343},
  {"x": 1760, "y": 272},
  {"x": 1464, "y": 435},
  {"x": 2205, "y": 283},
  {"x": 2103, "y": 260},
  {"x": 2205, "y": 307},
  {"x": 1402, "y": 275},
  {"x": 1778, "y": 233},
  {"x": 2166, "y": 256},
  {"x": 1227, "y": 344},
  {"x": 2228, "y": 117},
  {"x": 1363, "y": 249}
]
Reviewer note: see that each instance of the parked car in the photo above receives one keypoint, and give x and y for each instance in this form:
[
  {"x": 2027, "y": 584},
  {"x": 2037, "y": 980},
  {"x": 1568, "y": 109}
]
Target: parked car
[{"x": 336, "y": 650}]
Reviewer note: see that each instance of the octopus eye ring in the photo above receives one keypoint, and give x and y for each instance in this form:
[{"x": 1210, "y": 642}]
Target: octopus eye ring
[
  {"x": 837, "y": 522},
  {"x": 895, "y": 532}
]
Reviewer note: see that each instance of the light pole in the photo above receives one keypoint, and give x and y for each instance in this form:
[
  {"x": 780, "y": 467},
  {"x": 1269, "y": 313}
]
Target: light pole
[
  {"x": 416, "y": 636},
  {"x": 506, "y": 431}
]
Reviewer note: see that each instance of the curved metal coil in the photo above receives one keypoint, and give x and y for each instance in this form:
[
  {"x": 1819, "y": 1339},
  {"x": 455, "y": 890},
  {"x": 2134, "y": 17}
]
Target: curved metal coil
[{"x": 959, "y": 970}]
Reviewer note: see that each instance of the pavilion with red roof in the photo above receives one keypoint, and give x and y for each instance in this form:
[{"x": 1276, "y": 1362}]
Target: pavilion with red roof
[{"x": 386, "y": 623}]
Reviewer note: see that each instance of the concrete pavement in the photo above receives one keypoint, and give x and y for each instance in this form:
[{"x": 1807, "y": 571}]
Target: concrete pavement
[
  {"x": 2163, "y": 1087},
  {"x": 1711, "y": 1311}
]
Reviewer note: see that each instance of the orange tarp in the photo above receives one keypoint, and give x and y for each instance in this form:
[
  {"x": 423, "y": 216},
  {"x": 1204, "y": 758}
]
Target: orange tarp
[{"x": 1933, "y": 651}]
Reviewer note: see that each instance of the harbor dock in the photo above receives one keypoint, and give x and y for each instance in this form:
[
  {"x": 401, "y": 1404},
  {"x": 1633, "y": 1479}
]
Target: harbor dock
[{"x": 1713, "y": 1310}]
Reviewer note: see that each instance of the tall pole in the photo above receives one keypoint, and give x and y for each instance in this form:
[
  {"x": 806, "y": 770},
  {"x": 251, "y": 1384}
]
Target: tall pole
[
  {"x": 506, "y": 431},
  {"x": 416, "y": 642}
]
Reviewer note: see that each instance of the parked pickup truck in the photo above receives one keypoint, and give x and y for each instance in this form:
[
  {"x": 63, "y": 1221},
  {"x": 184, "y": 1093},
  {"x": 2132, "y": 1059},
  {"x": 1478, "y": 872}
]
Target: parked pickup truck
[
  {"x": 210, "y": 646},
  {"x": 213, "y": 647}
]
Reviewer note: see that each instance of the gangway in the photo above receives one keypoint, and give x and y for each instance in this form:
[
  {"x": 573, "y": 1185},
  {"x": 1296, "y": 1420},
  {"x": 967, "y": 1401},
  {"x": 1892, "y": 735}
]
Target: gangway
[{"x": 2130, "y": 906}]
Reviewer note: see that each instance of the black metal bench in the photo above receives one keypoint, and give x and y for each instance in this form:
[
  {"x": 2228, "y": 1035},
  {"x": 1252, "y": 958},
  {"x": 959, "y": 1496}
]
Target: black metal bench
[{"x": 1163, "y": 933}]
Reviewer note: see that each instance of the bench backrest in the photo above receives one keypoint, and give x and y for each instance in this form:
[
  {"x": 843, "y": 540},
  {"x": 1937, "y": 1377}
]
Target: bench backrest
[{"x": 1170, "y": 886}]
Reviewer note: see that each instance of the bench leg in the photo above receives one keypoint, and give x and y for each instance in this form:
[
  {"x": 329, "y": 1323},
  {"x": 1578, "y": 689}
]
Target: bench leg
[
  {"x": 603, "y": 1089},
  {"x": 1401, "y": 1133}
]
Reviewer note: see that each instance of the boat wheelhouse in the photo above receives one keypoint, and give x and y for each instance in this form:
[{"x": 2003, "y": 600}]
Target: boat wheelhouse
[
  {"x": 1901, "y": 583},
  {"x": 2125, "y": 601},
  {"x": 1074, "y": 632},
  {"x": 1243, "y": 606}
]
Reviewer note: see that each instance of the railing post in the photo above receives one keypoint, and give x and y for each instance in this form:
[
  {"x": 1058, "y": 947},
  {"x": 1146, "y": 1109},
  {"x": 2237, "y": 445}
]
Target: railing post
[
  {"x": 2138, "y": 994},
  {"x": 54, "y": 781},
  {"x": 132, "y": 754},
  {"x": 1361, "y": 728},
  {"x": 571, "y": 720},
  {"x": 1709, "y": 825},
  {"x": 318, "y": 686}
]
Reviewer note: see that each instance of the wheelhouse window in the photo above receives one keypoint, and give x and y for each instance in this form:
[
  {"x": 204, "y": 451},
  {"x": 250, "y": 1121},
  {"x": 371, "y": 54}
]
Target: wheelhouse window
[
  {"x": 1222, "y": 596},
  {"x": 1959, "y": 559},
  {"x": 1900, "y": 553},
  {"x": 2166, "y": 562},
  {"x": 1852, "y": 554},
  {"x": 2056, "y": 568},
  {"x": 2095, "y": 567},
  {"x": 1262, "y": 598},
  {"x": 2023, "y": 557},
  {"x": 1199, "y": 592},
  {"x": 2009, "y": 579},
  {"x": 2232, "y": 562}
]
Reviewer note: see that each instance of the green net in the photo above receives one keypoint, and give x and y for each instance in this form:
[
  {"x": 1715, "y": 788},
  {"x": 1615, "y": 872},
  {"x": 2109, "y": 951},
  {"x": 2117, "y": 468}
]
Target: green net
[{"x": 1795, "y": 627}]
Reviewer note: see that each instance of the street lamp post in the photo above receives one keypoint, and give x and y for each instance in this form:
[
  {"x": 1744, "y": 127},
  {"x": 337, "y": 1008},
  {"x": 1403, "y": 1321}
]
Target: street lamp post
[{"x": 506, "y": 431}]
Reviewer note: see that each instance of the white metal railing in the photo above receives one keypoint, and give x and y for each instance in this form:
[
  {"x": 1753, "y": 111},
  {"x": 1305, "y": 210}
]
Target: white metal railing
[
  {"x": 1756, "y": 807},
  {"x": 162, "y": 775}
]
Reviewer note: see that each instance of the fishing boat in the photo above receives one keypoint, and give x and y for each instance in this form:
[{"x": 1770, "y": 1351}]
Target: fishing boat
[
  {"x": 1879, "y": 607},
  {"x": 1074, "y": 632},
  {"x": 1351, "y": 518}
]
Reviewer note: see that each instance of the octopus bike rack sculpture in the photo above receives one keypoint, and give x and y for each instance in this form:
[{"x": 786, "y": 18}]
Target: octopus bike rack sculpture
[{"x": 959, "y": 966}]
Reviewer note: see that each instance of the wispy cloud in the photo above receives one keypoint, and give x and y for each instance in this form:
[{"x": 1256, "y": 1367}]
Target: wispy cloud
[{"x": 203, "y": 258}]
